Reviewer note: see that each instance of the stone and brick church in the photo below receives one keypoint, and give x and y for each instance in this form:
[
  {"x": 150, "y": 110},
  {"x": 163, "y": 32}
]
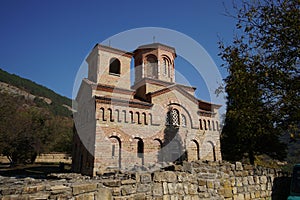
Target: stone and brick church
[{"x": 119, "y": 125}]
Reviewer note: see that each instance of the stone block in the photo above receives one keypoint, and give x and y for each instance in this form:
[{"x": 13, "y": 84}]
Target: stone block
[
  {"x": 59, "y": 189},
  {"x": 239, "y": 197},
  {"x": 128, "y": 189},
  {"x": 238, "y": 166},
  {"x": 145, "y": 178},
  {"x": 202, "y": 188},
  {"x": 187, "y": 167},
  {"x": 179, "y": 188},
  {"x": 84, "y": 188},
  {"x": 201, "y": 182},
  {"x": 182, "y": 177},
  {"x": 166, "y": 197},
  {"x": 33, "y": 189},
  {"x": 186, "y": 188},
  {"x": 240, "y": 190},
  {"x": 192, "y": 179},
  {"x": 172, "y": 188},
  {"x": 228, "y": 192},
  {"x": 250, "y": 180},
  {"x": 193, "y": 189},
  {"x": 245, "y": 181},
  {"x": 157, "y": 189},
  {"x": 210, "y": 184},
  {"x": 127, "y": 182},
  {"x": 247, "y": 196},
  {"x": 144, "y": 188},
  {"x": 112, "y": 183},
  {"x": 238, "y": 181},
  {"x": 116, "y": 191},
  {"x": 39, "y": 196},
  {"x": 263, "y": 179},
  {"x": 165, "y": 188},
  {"x": 86, "y": 196},
  {"x": 171, "y": 177}
]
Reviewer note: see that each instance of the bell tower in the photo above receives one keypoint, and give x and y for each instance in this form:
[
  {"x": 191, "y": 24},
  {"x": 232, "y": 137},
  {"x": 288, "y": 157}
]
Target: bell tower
[{"x": 154, "y": 61}]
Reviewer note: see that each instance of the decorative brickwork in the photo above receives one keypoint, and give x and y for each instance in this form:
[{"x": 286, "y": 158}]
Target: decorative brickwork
[{"x": 154, "y": 121}]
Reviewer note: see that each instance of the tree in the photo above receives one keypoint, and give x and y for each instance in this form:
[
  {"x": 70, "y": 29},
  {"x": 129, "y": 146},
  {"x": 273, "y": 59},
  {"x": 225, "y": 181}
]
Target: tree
[
  {"x": 263, "y": 83},
  {"x": 27, "y": 130}
]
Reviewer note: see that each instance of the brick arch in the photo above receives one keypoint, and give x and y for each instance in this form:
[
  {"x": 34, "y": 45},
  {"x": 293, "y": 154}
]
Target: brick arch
[
  {"x": 212, "y": 152},
  {"x": 188, "y": 116},
  {"x": 117, "y": 111},
  {"x": 102, "y": 114},
  {"x": 140, "y": 147},
  {"x": 116, "y": 151},
  {"x": 151, "y": 66},
  {"x": 193, "y": 150},
  {"x": 144, "y": 121},
  {"x": 110, "y": 114}
]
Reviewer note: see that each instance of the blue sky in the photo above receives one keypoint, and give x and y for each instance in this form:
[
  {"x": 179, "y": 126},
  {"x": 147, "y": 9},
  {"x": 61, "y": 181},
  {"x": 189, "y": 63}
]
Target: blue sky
[{"x": 47, "y": 40}]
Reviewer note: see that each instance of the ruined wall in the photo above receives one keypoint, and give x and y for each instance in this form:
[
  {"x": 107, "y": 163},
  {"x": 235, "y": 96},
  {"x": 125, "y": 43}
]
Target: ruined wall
[{"x": 190, "y": 181}]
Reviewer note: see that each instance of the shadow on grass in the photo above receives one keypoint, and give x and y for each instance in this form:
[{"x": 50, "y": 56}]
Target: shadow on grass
[{"x": 33, "y": 170}]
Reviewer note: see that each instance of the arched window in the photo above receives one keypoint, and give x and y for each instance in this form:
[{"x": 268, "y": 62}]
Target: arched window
[
  {"x": 150, "y": 119},
  {"x": 118, "y": 115},
  {"x": 204, "y": 122},
  {"x": 209, "y": 126},
  {"x": 124, "y": 115},
  {"x": 145, "y": 118},
  {"x": 138, "y": 117},
  {"x": 114, "y": 66},
  {"x": 183, "y": 120},
  {"x": 110, "y": 115},
  {"x": 140, "y": 148},
  {"x": 166, "y": 64},
  {"x": 151, "y": 67},
  {"x": 172, "y": 117},
  {"x": 131, "y": 117},
  {"x": 213, "y": 124},
  {"x": 102, "y": 114},
  {"x": 201, "y": 127}
]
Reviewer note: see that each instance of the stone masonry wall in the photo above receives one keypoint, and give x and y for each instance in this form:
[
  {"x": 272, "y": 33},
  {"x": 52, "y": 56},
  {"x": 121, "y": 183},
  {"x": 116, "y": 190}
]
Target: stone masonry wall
[{"x": 190, "y": 181}]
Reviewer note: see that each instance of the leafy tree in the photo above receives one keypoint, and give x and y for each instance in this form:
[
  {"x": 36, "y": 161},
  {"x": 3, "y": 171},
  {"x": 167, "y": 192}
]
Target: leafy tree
[
  {"x": 27, "y": 130},
  {"x": 263, "y": 83}
]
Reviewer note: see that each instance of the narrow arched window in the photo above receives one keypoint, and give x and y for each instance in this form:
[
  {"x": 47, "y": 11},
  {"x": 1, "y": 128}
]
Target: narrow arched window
[
  {"x": 124, "y": 115},
  {"x": 175, "y": 117},
  {"x": 151, "y": 67},
  {"x": 131, "y": 117},
  {"x": 209, "y": 126},
  {"x": 166, "y": 65},
  {"x": 110, "y": 115},
  {"x": 118, "y": 115},
  {"x": 200, "y": 121},
  {"x": 114, "y": 66},
  {"x": 140, "y": 147},
  {"x": 138, "y": 117},
  {"x": 102, "y": 114},
  {"x": 145, "y": 118},
  {"x": 204, "y": 122},
  {"x": 213, "y": 125}
]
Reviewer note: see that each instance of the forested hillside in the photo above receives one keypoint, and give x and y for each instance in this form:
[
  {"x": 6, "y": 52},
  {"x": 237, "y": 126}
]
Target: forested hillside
[
  {"x": 33, "y": 120},
  {"x": 39, "y": 91}
]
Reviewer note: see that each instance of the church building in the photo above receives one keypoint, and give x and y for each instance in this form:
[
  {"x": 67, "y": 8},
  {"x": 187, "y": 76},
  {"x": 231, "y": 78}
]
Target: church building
[{"x": 155, "y": 120}]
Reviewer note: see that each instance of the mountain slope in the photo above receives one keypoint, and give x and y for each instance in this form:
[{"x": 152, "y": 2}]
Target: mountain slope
[
  {"x": 33, "y": 119},
  {"x": 44, "y": 97}
]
